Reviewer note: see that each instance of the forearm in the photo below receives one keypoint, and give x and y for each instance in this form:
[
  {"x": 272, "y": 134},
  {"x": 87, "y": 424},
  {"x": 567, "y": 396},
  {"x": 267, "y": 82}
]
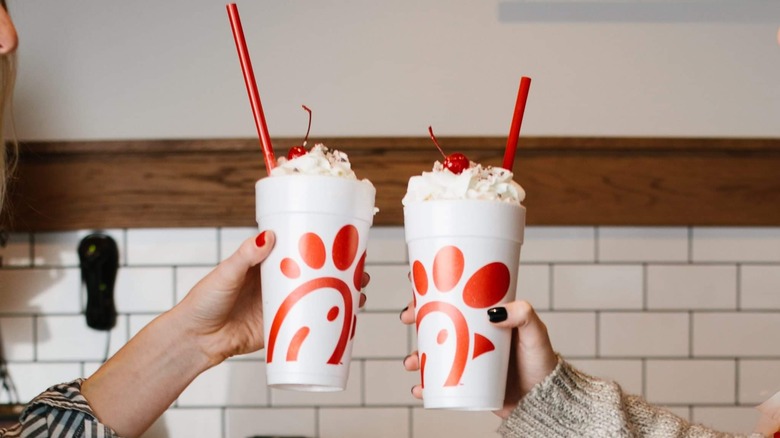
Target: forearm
[
  {"x": 571, "y": 403},
  {"x": 130, "y": 391},
  {"x": 564, "y": 405}
]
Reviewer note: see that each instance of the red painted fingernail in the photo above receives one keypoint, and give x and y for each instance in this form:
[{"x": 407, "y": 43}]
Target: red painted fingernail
[{"x": 260, "y": 239}]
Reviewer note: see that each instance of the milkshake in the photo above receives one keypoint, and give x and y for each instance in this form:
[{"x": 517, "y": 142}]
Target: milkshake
[
  {"x": 464, "y": 226},
  {"x": 320, "y": 213}
]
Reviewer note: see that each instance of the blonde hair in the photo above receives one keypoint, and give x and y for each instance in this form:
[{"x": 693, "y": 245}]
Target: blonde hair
[{"x": 8, "y": 148}]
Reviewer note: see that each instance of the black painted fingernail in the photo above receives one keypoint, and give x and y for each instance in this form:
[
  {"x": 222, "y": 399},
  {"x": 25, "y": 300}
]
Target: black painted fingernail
[
  {"x": 402, "y": 312},
  {"x": 497, "y": 314}
]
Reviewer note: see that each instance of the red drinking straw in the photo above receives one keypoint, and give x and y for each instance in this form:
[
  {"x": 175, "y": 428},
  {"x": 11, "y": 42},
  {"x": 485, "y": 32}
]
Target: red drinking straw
[
  {"x": 517, "y": 120},
  {"x": 251, "y": 86}
]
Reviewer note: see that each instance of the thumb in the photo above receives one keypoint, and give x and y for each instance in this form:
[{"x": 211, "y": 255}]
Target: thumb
[
  {"x": 514, "y": 314},
  {"x": 521, "y": 315},
  {"x": 251, "y": 252},
  {"x": 535, "y": 356}
]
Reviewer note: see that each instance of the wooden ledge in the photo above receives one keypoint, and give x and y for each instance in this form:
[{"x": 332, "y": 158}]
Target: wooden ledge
[{"x": 569, "y": 181}]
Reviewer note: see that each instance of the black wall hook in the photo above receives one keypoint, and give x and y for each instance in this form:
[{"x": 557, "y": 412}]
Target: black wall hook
[{"x": 99, "y": 258}]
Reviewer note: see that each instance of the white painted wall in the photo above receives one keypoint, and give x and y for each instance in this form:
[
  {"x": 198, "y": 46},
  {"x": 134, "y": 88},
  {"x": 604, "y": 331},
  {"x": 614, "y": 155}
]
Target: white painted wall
[{"x": 108, "y": 69}]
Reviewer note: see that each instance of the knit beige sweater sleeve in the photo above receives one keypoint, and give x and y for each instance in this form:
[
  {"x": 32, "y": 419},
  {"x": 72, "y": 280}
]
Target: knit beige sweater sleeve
[{"x": 569, "y": 403}]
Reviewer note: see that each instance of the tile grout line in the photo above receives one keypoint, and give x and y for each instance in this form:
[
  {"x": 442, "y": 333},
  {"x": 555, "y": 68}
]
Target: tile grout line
[
  {"x": 598, "y": 334},
  {"x": 551, "y": 287},
  {"x": 739, "y": 286},
  {"x": 125, "y": 247},
  {"x": 736, "y": 381},
  {"x": 690, "y": 334},
  {"x": 645, "y": 288},
  {"x": 268, "y": 392},
  {"x": 223, "y": 417},
  {"x": 30, "y": 250},
  {"x": 363, "y": 383},
  {"x": 219, "y": 244},
  {"x": 317, "y": 413},
  {"x": 410, "y": 411},
  {"x": 35, "y": 338},
  {"x": 690, "y": 245}
]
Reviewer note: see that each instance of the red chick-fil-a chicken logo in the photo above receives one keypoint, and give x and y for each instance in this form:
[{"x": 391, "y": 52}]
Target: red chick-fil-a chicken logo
[
  {"x": 313, "y": 253},
  {"x": 486, "y": 287}
]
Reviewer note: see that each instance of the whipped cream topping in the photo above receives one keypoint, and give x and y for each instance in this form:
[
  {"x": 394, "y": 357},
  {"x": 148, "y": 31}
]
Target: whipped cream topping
[
  {"x": 476, "y": 182},
  {"x": 318, "y": 161}
]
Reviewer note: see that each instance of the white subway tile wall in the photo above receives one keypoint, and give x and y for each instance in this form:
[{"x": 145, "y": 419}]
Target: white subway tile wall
[
  {"x": 632, "y": 244},
  {"x": 17, "y": 338},
  {"x": 235, "y": 383},
  {"x": 597, "y": 287},
  {"x": 439, "y": 423},
  {"x": 755, "y": 386},
  {"x": 692, "y": 287},
  {"x": 686, "y": 316},
  {"x": 59, "y": 249},
  {"x": 644, "y": 334},
  {"x": 364, "y": 422},
  {"x": 188, "y": 422},
  {"x": 680, "y": 381},
  {"x": 144, "y": 289},
  {"x": 727, "y": 419},
  {"x": 533, "y": 285},
  {"x": 760, "y": 286},
  {"x": 628, "y": 372},
  {"x": 17, "y": 250}
]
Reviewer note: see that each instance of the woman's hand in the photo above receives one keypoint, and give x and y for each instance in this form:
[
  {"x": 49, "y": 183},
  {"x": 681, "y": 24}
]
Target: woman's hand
[
  {"x": 225, "y": 309},
  {"x": 532, "y": 358}
]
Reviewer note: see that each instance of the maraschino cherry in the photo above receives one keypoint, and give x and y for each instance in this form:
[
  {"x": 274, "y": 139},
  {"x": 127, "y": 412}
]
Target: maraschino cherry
[
  {"x": 456, "y": 163},
  {"x": 297, "y": 151}
]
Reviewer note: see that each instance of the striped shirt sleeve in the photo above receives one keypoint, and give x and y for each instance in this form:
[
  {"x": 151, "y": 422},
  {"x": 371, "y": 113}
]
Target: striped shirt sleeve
[{"x": 59, "y": 412}]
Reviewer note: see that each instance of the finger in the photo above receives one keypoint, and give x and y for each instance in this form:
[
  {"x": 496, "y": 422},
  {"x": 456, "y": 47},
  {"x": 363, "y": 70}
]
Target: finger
[
  {"x": 534, "y": 353},
  {"x": 520, "y": 314},
  {"x": 407, "y": 315},
  {"x": 251, "y": 252},
  {"x": 365, "y": 279},
  {"x": 417, "y": 391},
  {"x": 362, "y": 300},
  {"x": 412, "y": 362}
]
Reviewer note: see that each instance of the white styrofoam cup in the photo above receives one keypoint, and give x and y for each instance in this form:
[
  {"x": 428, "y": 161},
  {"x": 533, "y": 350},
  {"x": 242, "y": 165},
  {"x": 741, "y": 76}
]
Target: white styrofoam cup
[
  {"x": 464, "y": 257},
  {"x": 311, "y": 280}
]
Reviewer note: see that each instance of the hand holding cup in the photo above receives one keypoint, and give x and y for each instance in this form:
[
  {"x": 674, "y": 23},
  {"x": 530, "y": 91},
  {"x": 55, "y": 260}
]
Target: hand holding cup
[{"x": 532, "y": 356}]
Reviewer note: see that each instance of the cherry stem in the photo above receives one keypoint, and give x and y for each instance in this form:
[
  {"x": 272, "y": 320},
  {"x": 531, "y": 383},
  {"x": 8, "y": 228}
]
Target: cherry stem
[
  {"x": 309, "y": 127},
  {"x": 436, "y": 142}
]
